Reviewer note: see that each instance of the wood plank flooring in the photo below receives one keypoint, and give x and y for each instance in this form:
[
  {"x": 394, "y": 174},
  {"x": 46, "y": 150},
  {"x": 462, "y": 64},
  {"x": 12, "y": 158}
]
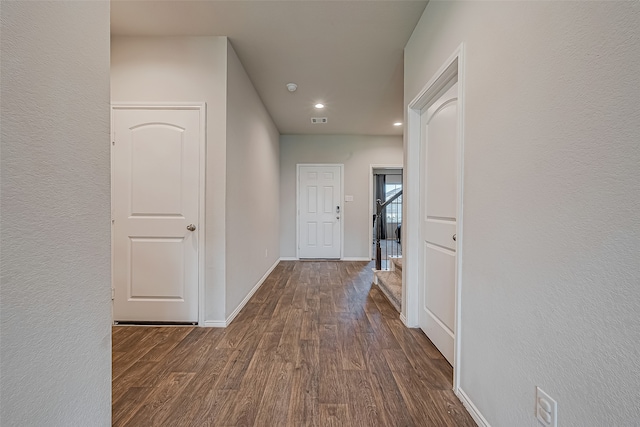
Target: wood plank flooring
[{"x": 315, "y": 346}]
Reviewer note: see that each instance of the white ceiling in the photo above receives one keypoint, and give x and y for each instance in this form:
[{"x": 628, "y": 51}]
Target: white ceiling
[{"x": 346, "y": 54}]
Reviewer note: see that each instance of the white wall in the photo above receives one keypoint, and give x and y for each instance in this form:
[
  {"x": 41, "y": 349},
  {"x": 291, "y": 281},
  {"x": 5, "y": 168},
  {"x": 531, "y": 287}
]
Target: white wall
[
  {"x": 185, "y": 69},
  {"x": 357, "y": 153},
  {"x": 551, "y": 264},
  {"x": 252, "y": 205},
  {"x": 55, "y": 302}
]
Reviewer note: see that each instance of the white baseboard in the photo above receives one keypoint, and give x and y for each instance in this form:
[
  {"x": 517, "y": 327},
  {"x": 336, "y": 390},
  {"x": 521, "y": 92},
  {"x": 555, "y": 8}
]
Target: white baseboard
[
  {"x": 250, "y": 294},
  {"x": 471, "y": 408},
  {"x": 215, "y": 324},
  {"x": 288, "y": 258},
  {"x": 404, "y": 320}
]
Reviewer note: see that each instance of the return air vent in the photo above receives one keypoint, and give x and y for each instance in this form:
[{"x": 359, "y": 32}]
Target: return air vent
[{"x": 318, "y": 120}]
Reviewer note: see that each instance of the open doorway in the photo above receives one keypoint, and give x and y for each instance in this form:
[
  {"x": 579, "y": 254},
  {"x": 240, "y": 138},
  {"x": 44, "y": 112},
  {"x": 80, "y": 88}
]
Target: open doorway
[
  {"x": 386, "y": 183},
  {"x": 435, "y": 230}
]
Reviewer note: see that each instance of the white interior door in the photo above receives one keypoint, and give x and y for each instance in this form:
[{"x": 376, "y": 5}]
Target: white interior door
[
  {"x": 156, "y": 188},
  {"x": 319, "y": 211},
  {"x": 439, "y": 194}
]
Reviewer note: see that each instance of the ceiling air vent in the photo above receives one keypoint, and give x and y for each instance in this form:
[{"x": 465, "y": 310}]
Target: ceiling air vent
[{"x": 318, "y": 120}]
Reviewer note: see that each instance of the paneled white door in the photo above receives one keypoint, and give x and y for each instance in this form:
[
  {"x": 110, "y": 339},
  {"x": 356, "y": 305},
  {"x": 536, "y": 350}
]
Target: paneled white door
[
  {"x": 156, "y": 188},
  {"x": 319, "y": 211},
  {"x": 439, "y": 196}
]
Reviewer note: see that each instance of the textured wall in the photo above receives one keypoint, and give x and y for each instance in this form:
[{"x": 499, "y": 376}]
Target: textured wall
[
  {"x": 55, "y": 299},
  {"x": 253, "y": 175},
  {"x": 357, "y": 153},
  {"x": 185, "y": 69},
  {"x": 551, "y": 264}
]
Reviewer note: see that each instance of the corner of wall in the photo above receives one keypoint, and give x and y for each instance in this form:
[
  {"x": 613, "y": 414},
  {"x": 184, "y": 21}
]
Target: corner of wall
[{"x": 55, "y": 300}]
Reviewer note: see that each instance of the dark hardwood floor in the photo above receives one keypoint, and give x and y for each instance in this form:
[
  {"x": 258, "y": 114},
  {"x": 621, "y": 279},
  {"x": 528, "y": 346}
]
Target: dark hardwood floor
[{"x": 316, "y": 345}]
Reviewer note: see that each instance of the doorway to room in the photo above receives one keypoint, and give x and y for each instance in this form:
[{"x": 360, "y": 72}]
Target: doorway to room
[
  {"x": 435, "y": 153},
  {"x": 157, "y": 212},
  {"x": 386, "y": 183}
]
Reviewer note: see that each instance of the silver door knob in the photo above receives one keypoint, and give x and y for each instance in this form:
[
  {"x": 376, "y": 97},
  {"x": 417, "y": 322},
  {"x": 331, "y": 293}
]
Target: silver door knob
[
  {"x": 454, "y": 237},
  {"x": 191, "y": 227}
]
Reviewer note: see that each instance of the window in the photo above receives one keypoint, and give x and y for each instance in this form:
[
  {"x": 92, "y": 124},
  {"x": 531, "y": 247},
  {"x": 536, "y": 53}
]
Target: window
[{"x": 394, "y": 210}]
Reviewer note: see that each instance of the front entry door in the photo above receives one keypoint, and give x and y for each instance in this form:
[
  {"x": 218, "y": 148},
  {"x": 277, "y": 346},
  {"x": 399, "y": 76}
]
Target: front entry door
[
  {"x": 319, "y": 211},
  {"x": 439, "y": 194},
  {"x": 156, "y": 187}
]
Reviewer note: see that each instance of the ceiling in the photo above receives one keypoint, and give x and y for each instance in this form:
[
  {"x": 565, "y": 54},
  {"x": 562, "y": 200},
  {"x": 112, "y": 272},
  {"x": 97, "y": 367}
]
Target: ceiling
[{"x": 345, "y": 54}]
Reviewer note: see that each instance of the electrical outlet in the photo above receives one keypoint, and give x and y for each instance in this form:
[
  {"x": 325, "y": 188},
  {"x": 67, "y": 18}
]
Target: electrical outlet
[{"x": 546, "y": 409}]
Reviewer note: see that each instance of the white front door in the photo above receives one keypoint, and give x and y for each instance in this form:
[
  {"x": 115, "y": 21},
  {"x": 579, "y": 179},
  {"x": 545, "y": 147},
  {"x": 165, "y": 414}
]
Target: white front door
[
  {"x": 156, "y": 188},
  {"x": 439, "y": 195},
  {"x": 319, "y": 211}
]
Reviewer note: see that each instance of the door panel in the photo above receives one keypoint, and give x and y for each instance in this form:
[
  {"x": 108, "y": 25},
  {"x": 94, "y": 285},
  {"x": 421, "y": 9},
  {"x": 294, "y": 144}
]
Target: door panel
[
  {"x": 319, "y": 197},
  {"x": 328, "y": 228},
  {"x": 441, "y": 161},
  {"x": 156, "y": 187},
  {"x": 440, "y": 274},
  {"x": 156, "y": 170},
  {"x": 438, "y": 226},
  {"x": 159, "y": 268}
]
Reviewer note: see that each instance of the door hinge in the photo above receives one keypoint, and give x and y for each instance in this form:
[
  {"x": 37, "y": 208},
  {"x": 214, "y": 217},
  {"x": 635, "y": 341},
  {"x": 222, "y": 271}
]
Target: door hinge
[{"x": 113, "y": 294}]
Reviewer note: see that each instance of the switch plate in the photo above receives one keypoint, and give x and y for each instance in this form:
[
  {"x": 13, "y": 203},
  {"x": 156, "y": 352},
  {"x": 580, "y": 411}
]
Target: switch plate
[
  {"x": 546, "y": 409},
  {"x": 348, "y": 198}
]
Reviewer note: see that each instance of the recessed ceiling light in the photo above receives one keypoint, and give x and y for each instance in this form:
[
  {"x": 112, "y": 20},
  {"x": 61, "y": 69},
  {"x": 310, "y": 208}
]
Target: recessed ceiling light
[
  {"x": 319, "y": 105},
  {"x": 397, "y": 124}
]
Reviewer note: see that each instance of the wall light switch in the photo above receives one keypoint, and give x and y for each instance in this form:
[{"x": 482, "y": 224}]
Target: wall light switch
[
  {"x": 348, "y": 198},
  {"x": 546, "y": 409}
]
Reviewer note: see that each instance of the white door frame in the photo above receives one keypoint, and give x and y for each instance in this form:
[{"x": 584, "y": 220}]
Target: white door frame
[
  {"x": 371, "y": 212},
  {"x": 341, "y": 198},
  {"x": 202, "y": 108},
  {"x": 452, "y": 68}
]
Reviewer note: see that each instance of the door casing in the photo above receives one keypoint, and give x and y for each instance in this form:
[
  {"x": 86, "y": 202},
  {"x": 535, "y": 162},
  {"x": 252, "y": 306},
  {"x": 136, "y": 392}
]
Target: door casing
[
  {"x": 202, "y": 108},
  {"x": 453, "y": 68}
]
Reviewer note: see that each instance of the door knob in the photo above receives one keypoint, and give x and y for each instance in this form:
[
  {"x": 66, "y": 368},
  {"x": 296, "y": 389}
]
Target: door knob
[
  {"x": 454, "y": 237},
  {"x": 191, "y": 227}
]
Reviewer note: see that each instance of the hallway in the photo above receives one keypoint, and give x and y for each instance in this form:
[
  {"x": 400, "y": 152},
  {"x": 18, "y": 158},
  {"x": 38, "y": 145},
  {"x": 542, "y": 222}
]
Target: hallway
[{"x": 316, "y": 345}]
